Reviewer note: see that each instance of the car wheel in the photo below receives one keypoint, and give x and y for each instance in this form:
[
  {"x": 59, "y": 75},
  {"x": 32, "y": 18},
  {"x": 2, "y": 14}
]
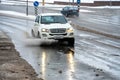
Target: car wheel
[
  {"x": 71, "y": 41},
  {"x": 77, "y": 15},
  {"x": 32, "y": 32},
  {"x": 38, "y": 36}
]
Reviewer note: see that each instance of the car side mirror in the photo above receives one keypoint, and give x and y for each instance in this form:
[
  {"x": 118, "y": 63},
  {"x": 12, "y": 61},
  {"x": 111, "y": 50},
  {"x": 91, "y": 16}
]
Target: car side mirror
[{"x": 36, "y": 24}]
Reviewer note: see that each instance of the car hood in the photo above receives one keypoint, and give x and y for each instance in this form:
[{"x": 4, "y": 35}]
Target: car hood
[{"x": 55, "y": 25}]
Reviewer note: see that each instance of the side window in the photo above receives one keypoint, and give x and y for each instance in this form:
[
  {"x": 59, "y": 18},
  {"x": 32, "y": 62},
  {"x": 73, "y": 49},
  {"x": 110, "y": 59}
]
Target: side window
[
  {"x": 37, "y": 19},
  {"x": 65, "y": 9}
]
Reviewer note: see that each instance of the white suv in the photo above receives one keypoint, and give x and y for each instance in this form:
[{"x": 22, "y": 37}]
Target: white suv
[{"x": 52, "y": 26}]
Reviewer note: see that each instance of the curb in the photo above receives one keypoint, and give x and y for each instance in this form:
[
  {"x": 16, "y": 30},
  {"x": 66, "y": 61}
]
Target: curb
[{"x": 5, "y": 42}]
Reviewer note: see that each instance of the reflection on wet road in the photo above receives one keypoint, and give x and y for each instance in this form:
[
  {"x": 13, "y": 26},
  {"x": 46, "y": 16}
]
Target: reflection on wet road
[
  {"x": 51, "y": 61},
  {"x": 48, "y": 60}
]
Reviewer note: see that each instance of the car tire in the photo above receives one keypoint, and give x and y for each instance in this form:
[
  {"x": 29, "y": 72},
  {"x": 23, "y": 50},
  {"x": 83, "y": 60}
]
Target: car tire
[
  {"x": 38, "y": 35},
  {"x": 71, "y": 41},
  {"x": 32, "y": 32},
  {"x": 77, "y": 15}
]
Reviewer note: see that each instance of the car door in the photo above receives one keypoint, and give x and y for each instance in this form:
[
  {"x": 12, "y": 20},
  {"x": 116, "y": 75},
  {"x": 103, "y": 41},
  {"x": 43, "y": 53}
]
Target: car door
[{"x": 65, "y": 10}]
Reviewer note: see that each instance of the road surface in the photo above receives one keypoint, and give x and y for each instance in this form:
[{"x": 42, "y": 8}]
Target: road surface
[{"x": 95, "y": 56}]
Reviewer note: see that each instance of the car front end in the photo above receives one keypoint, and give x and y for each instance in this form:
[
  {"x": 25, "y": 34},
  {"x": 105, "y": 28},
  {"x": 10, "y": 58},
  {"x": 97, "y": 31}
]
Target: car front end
[{"x": 57, "y": 32}]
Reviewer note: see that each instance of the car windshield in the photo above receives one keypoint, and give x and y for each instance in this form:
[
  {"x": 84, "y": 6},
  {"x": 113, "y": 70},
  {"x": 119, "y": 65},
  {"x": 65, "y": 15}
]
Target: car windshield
[
  {"x": 53, "y": 19},
  {"x": 73, "y": 8}
]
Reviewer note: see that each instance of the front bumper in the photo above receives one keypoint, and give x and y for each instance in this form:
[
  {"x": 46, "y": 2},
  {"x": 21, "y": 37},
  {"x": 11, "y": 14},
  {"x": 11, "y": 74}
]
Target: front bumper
[{"x": 57, "y": 36}]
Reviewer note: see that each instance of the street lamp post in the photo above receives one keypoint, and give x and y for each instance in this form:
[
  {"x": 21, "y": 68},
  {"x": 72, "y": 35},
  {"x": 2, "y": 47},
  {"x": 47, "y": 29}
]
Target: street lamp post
[
  {"x": 110, "y": 3},
  {"x": 27, "y": 8},
  {"x": 69, "y": 2},
  {"x": 43, "y": 2},
  {"x": 73, "y": 2}
]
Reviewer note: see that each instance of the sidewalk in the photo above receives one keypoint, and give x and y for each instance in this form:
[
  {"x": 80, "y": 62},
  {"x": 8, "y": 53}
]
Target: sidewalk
[{"x": 12, "y": 66}]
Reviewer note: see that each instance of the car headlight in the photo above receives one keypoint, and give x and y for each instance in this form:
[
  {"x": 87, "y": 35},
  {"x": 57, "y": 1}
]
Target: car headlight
[
  {"x": 44, "y": 30},
  {"x": 70, "y": 30}
]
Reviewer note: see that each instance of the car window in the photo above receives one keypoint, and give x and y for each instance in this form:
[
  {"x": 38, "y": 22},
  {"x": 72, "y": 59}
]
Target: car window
[
  {"x": 73, "y": 8},
  {"x": 65, "y": 8},
  {"x": 53, "y": 19}
]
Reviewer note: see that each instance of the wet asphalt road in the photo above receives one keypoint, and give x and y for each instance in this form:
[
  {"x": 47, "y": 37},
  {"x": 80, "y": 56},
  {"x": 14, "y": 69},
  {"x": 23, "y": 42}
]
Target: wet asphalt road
[
  {"x": 55, "y": 61},
  {"x": 102, "y": 20}
]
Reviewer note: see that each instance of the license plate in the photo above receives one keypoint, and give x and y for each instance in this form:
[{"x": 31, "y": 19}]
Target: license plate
[{"x": 58, "y": 37}]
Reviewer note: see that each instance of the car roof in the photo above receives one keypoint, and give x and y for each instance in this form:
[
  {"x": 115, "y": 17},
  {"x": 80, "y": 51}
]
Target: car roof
[
  {"x": 72, "y": 6},
  {"x": 50, "y": 14}
]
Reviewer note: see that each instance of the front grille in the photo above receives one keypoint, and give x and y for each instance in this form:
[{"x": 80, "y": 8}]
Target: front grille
[
  {"x": 58, "y": 30},
  {"x": 58, "y": 34}
]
